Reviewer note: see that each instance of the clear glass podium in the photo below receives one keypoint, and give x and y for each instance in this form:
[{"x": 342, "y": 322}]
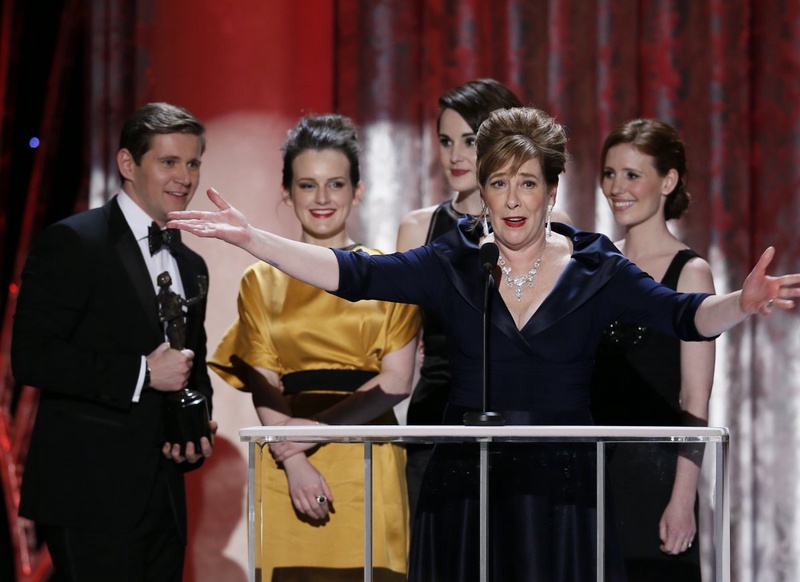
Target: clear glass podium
[{"x": 706, "y": 443}]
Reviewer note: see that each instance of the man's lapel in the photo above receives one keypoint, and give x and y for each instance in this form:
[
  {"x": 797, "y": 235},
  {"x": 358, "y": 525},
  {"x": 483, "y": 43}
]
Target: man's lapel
[{"x": 127, "y": 249}]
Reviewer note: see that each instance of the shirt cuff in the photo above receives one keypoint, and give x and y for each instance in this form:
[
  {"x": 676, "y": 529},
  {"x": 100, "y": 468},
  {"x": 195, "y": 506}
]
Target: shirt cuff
[{"x": 140, "y": 382}]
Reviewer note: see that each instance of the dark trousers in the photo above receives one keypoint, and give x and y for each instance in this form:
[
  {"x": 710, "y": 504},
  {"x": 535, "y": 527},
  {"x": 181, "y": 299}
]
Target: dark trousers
[{"x": 153, "y": 551}]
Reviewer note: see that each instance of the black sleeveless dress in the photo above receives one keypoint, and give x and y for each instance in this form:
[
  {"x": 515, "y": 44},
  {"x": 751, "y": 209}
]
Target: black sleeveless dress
[
  {"x": 430, "y": 395},
  {"x": 637, "y": 381}
]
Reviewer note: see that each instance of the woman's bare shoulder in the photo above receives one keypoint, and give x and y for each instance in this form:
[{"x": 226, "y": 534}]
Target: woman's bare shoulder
[
  {"x": 414, "y": 228},
  {"x": 696, "y": 277}
]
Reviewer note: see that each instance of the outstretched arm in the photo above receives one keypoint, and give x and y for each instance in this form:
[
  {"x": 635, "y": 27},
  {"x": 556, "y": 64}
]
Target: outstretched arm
[
  {"x": 759, "y": 294},
  {"x": 311, "y": 264}
]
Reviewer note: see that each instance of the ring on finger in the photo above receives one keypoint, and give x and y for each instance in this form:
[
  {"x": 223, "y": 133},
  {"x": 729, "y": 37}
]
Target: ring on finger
[{"x": 321, "y": 499}]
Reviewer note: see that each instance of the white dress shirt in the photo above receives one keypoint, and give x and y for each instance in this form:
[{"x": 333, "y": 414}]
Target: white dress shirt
[{"x": 139, "y": 222}]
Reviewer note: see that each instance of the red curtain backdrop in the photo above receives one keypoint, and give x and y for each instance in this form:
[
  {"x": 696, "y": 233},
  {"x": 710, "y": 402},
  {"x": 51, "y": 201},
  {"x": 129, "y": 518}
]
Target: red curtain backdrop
[{"x": 726, "y": 74}]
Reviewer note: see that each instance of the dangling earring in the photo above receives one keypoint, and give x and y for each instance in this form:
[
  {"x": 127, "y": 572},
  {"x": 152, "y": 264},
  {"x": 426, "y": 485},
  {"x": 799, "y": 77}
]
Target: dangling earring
[
  {"x": 485, "y": 222},
  {"x": 548, "y": 229}
]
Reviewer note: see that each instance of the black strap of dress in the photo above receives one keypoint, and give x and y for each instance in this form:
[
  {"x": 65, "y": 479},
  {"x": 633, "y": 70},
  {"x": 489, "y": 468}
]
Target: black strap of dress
[
  {"x": 443, "y": 220},
  {"x": 334, "y": 380},
  {"x": 673, "y": 273}
]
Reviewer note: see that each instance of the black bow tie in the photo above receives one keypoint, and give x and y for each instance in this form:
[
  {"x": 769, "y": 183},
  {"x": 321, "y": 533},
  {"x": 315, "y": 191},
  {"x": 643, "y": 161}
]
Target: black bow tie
[{"x": 157, "y": 238}]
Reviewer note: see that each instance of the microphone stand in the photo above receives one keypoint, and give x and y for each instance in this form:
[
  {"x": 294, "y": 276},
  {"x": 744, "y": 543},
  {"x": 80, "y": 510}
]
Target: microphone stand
[{"x": 488, "y": 256}]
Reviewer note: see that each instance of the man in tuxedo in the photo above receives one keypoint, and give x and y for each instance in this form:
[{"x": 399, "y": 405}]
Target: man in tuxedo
[{"x": 103, "y": 486}]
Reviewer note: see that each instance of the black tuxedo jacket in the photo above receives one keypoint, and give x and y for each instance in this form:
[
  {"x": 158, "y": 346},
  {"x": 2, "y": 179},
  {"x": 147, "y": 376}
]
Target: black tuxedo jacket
[{"x": 86, "y": 314}]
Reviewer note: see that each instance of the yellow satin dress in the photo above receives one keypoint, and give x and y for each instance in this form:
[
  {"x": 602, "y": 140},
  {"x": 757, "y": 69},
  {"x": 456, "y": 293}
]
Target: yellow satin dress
[{"x": 287, "y": 326}]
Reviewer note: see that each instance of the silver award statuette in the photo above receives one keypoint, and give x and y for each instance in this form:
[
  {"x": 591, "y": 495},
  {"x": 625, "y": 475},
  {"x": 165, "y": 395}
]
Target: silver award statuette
[{"x": 186, "y": 415}]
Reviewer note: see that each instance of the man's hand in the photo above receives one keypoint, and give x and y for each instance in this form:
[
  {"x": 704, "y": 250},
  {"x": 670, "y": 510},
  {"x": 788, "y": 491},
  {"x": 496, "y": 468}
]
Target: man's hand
[
  {"x": 169, "y": 368},
  {"x": 173, "y": 451}
]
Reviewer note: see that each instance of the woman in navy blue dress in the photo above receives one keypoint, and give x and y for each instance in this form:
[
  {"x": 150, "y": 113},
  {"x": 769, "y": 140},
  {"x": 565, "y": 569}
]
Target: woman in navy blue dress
[
  {"x": 462, "y": 109},
  {"x": 557, "y": 289}
]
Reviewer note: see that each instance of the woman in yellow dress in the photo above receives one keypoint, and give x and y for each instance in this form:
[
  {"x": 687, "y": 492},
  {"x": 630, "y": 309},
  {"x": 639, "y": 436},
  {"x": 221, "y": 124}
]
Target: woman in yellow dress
[{"x": 309, "y": 357}]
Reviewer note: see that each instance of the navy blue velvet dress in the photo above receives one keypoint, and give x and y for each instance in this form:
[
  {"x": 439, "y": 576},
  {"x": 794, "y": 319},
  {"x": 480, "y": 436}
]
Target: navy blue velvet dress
[
  {"x": 429, "y": 398},
  {"x": 542, "y": 496}
]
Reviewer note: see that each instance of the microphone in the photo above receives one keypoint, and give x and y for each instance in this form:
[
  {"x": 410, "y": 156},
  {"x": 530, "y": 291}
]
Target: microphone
[{"x": 488, "y": 255}]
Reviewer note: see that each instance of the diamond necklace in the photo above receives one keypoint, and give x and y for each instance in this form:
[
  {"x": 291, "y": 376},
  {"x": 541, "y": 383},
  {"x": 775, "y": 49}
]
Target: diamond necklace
[{"x": 516, "y": 283}]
